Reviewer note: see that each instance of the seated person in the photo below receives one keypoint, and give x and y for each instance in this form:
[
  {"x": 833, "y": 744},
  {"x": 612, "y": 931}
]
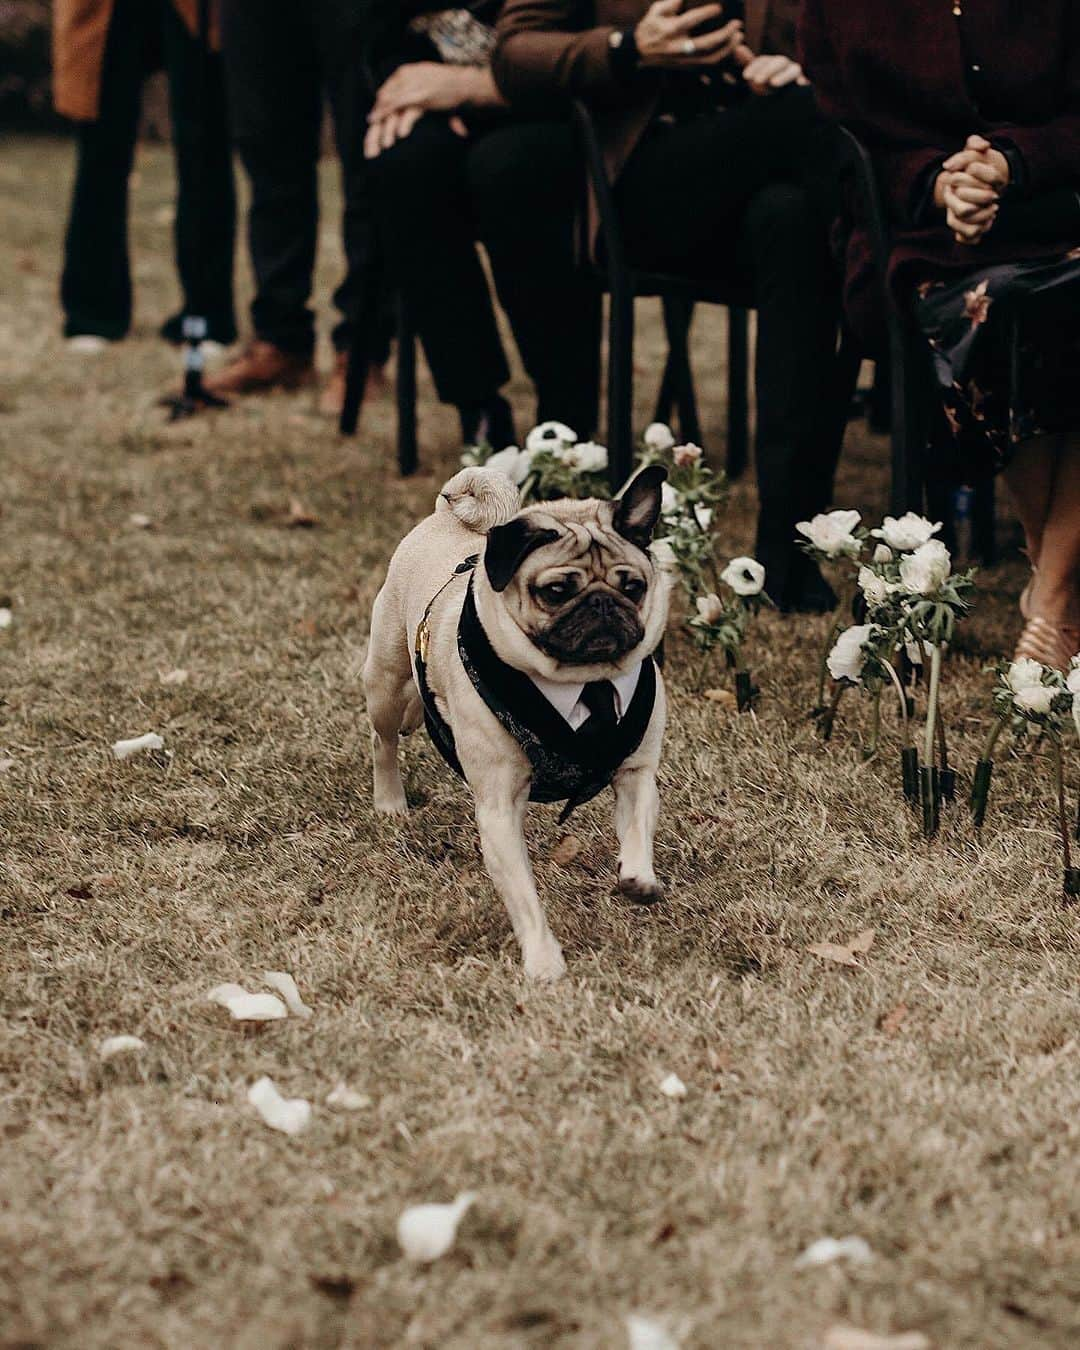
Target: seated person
[
  {"x": 450, "y": 165},
  {"x": 976, "y": 128},
  {"x": 710, "y": 148}
]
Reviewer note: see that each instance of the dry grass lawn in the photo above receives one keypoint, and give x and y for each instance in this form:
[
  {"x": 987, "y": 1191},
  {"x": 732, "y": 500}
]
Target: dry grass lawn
[{"x": 142, "y": 1202}]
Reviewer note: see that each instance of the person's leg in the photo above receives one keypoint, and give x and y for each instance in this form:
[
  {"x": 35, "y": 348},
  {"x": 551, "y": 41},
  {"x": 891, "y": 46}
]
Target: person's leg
[
  {"x": 1045, "y": 482},
  {"x": 525, "y": 182},
  {"x": 95, "y": 288},
  {"x": 275, "y": 104},
  {"x": 206, "y": 200},
  {"x": 420, "y": 189},
  {"x": 797, "y": 443},
  {"x": 361, "y": 298}
]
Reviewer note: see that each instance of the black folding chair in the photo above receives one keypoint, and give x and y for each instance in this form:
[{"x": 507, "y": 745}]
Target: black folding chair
[
  {"x": 679, "y": 295},
  {"x": 911, "y": 380}
]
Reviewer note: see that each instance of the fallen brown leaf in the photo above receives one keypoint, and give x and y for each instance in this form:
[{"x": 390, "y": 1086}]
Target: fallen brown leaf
[
  {"x": 300, "y": 517},
  {"x": 842, "y": 1337},
  {"x": 889, "y": 1023},
  {"x": 307, "y": 627},
  {"x": 566, "y": 850},
  {"x": 724, "y": 697}
]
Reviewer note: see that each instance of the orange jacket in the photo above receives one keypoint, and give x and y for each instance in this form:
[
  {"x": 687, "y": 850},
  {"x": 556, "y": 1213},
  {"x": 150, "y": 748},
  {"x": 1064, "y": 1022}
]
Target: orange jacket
[{"x": 80, "y": 28}]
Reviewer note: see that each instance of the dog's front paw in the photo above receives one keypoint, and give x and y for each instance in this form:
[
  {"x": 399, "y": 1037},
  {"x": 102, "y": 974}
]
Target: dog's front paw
[
  {"x": 545, "y": 962},
  {"x": 641, "y": 890}
]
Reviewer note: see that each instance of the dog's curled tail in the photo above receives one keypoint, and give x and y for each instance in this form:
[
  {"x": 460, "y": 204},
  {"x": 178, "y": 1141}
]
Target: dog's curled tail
[{"x": 479, "y": 498}]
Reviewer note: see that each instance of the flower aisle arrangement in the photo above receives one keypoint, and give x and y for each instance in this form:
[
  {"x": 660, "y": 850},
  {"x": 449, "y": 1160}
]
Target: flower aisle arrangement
[
  {"x": 722, "y": 601},
  {"x": 1032, "y": 699},
  {"x": 911, "y": 601}
]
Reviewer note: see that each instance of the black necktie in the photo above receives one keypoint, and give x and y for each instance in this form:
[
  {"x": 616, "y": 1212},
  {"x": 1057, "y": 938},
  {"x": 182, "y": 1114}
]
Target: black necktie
[{"x": 599, "y": 698}]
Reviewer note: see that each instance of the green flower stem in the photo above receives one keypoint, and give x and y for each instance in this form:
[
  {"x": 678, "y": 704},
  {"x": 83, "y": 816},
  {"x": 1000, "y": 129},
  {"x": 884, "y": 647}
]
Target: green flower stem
[
  {"x": 1063, "y": 819},
  {"x": 992, "y": 739},
  {"x": 905, "y": 724},
  {"x": 830, "y": 713},
  {"x": 875, "y": 727},
  {"x": 932, "y": 704}
]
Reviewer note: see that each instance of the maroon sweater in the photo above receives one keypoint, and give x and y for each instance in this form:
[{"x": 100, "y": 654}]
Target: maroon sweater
[{"x": 914, "y": 80}]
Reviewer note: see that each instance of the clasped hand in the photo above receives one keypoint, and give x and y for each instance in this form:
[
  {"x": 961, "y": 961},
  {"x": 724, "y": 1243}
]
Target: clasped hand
[
  {"x": 968, "y": 189},
  {"x": 666, "y": 37}
]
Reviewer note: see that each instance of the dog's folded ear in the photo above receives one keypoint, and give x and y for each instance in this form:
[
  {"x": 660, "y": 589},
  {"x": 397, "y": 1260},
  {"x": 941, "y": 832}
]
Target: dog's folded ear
[
  {"x": 509, "y": 545},
  {"x": 637, "y": 507}
]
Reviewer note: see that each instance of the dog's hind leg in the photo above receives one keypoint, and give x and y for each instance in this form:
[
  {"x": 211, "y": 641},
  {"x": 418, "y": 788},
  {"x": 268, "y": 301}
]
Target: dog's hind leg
[
  {"x": 500, "y": 814},
  {"x": 387, "y": 679},
  {"x": 637, "y": 804}
]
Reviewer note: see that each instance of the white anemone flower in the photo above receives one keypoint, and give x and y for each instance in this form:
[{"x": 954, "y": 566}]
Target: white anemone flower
[
  {"x": 832, "y": 533},
  {"x": 513, "y": 462},
  {"x": 847, "y": 658},
  {"x": 1024, "y": 674},
  {"x": 587, "y": 457},
  {"x": 1036, "y": 699},
  {"x": 925, "y": 571},
  {"x": 745, "y": 576},
  {"x": 658, "y": 436},
  {"x": 710, "y": 608},
  {"x": 875, "y": 588},
  {"x": 556, "y": 436},
  {"x": 905, "y": 533},
  {"x": 671, "y": 501}
]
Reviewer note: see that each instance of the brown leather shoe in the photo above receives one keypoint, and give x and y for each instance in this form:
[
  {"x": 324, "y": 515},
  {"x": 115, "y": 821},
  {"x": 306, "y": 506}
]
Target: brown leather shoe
[
  {"x": 332, "y": 398},
  {"x": 261, "y": 366}
]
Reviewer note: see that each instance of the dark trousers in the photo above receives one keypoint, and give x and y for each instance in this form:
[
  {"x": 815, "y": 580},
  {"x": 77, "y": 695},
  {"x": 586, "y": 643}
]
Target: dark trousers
[
  {"x": 513, "y": 186},
  {"x": 95, "y": 289},
  {"x": 748, "y": 190},
  {"x": 281, "y": 58}
]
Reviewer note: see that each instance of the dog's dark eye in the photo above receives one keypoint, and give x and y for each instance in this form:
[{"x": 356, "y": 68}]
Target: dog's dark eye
[
  {"x": 555, "y": 592},
  {"x": 633, "y": 588}
]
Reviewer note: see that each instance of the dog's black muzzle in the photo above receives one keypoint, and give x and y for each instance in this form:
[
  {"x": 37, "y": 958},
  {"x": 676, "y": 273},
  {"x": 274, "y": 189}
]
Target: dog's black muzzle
[{"x": 601, "y": 627}]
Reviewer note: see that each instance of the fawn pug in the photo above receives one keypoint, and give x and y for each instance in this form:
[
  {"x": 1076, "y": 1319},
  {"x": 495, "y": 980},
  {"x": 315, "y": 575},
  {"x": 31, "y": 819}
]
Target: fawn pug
[{"x": 525, "y": 640}]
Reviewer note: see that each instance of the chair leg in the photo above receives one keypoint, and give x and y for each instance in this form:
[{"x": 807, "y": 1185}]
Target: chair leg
[
  {"x": 356, "y": 373},
  {"x": 620, "y": 379},
  {"x": 908, "y": 381},
  {"x": 406, "y": 393},
  {"x": 738, "y": 442},
  {"x": 678, "y": 315}
]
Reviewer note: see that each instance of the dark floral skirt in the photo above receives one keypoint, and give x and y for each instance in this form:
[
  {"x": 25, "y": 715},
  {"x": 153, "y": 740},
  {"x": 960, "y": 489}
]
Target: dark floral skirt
[{"x": 1006, "y": 348}]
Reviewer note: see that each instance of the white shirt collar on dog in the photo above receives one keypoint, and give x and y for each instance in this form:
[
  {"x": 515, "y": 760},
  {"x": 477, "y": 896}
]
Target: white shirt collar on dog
[{"x": 566, "y": 698}]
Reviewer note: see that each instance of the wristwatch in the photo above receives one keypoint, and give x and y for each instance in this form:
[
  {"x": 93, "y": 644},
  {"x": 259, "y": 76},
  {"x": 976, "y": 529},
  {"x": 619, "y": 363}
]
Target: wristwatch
[{"x": 623, "y": 52}]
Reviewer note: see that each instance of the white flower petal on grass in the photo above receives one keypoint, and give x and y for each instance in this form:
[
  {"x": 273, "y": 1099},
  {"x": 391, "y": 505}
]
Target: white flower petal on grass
[
  {"x": 137, "y": 744},
  {"x": 1024, "y": 674},
  {"x": 427, "y": 1232},
  {"x": 645, "y": 1333},
  {"x": 174, "y": 677},
  {"x": 5, "y": 617},
  {"x": 927, "y": 569},
  {"x": 118, "y": 1045},
  {"x": 286, "y": 987},
  {"x": 6, "y": 764},
  {"x": 347, "y": 1098},
  {"x": 658, "y": 436},
  {"x": 827, "y": 1249},
  {"x": 290, "y": 1115},
  {"x": 140, "y": 521},
  {"x": 256, "y": 1008},
  {"x": 745, "y": 576},
  {"x": 906, "y": 532},
  {"x": 673, "y": 1086},
  {"x": 840, "y": 1337},
  {"x": 221, "y": 993},
  {"x": 847, "y": 659}
]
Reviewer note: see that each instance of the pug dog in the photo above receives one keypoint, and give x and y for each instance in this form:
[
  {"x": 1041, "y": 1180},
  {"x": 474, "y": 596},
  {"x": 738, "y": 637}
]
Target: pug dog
[{"x": 566, "y": 594}]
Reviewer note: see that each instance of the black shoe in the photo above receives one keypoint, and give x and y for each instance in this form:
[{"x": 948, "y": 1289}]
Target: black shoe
[
  {"x": 490, "y": 423},
  {"x": 218, "y": 329}
]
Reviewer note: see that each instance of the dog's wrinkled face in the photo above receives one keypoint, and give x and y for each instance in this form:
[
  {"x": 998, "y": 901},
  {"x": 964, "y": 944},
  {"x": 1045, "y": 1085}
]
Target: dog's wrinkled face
[{"x": 576, "y": 578}]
